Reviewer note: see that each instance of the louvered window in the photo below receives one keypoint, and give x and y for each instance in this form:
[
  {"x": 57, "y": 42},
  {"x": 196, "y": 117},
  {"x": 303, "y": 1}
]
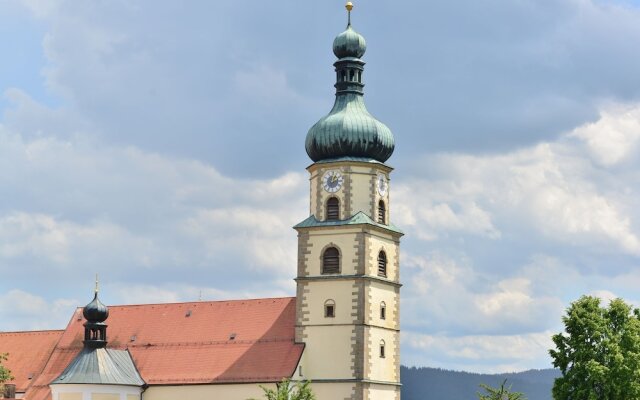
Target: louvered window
[
  {"x": 382, "y": 213},
  {"x": 333, "y": 209},
  {"x": 382, "y": 264},
  {"x": 331, "y": 261}
]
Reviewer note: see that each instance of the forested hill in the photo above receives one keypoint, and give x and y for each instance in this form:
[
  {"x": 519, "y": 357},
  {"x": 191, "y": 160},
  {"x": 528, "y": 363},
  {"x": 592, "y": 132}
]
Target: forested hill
[{"x": 439, "y": 384}]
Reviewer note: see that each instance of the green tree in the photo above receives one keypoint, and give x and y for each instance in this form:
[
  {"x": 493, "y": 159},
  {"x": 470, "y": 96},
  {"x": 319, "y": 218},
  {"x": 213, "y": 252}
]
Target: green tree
[
  {"x": 5, "y": 374},
  {"x": 285, "y": 390},
  {"x": 501, "y": 393},
  {"x": 599, "y": 352}
]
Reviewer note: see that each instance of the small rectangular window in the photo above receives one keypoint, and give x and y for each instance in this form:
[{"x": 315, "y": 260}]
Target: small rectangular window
[
  {"x": 383, "y": 313},
  {"x": 329, "y": 311},
  {"x": 382, "y": 351}
]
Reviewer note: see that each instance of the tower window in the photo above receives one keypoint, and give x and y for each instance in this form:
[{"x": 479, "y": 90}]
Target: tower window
[
  {"x": 352, "y": 75},
  {"x": 359, "y": 76},
  {"x": 382, "y": 264},
  {"x": 333, "y": 209},
  {"x": 331, "y": 261},
  {"x": 343, "y": 74},
  {"x": 329, "y": 309},
  {"x": 383, "y": 310},
  {"x": 382, "y": 355},
  {"x": 382, "y": 212}
]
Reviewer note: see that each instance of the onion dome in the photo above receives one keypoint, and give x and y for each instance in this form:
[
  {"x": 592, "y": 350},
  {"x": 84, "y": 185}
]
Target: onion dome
[
  {"x": 349, "y": 130},
  {"x": 95, "y": 311},
  {"x": 95, "y": 330},
  {"x": 349, "y": 44}
]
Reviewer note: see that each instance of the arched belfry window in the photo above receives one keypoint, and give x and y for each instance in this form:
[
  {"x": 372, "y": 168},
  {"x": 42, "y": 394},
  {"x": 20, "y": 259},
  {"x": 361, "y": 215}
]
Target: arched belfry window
[
  {"x": 331, "y": 261},
  {"x": 329, "y": 309},
  {"x": 382, "y": 264},
  {"x": 382, "y": 212},
  {"x": 383, "y": 310},
  {"x": 382, "y": 352},
  {"x": 333, "y": 209}
]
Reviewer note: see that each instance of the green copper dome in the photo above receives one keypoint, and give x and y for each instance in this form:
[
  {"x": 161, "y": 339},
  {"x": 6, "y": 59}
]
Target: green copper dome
[
  {"x": 349, "y": 44},
  {"x": 349, "y": 130}
]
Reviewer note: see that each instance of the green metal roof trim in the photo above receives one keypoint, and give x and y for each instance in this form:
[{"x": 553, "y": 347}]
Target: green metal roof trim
[
  {"x": 101, "y": 367},
  {"x": 355, "y": 159},
  {"x": 358, "y": 219}
]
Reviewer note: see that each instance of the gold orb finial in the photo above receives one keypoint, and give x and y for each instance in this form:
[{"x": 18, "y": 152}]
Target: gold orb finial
[{"x": 349, "y": 6}]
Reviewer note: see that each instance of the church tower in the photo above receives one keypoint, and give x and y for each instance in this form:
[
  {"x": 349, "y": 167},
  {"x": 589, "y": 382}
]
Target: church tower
[{"x": 348, "y": 290}]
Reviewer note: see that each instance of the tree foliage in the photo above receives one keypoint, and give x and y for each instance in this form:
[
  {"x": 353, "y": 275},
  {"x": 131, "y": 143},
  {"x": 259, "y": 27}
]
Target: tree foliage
[
  {"x": 288, "y": 391},
  {"x": 599, "y": 352},
  {"x": 501, "y": 393},
  {"x": 5, "y": 373}
]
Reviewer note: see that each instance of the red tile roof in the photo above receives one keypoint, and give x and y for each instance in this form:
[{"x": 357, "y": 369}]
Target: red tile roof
[
  {"x": 185, "y": 343},
  {"x": 28, "y": 353}
]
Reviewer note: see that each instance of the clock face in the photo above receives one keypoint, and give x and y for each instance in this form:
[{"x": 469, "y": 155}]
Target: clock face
[
  {"x": 332, "y": 181},
  {"x": 382, "y": 184}
]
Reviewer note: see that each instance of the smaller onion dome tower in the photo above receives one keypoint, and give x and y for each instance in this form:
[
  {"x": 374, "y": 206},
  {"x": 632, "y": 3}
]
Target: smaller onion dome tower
[
  {"x": 96, "y": 371},
  {"x": 95, "y": 330}
]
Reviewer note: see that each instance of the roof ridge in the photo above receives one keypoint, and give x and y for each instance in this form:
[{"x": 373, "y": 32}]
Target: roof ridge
[
  {"x": 202, "y": 302},
  {"x": 186, "y": 344},
  {"x": 34, "y": 331}
]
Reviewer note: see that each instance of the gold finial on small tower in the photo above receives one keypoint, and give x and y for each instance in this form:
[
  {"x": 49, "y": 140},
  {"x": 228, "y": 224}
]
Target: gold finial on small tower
[
  {"x": 96, "y": 283},
  {"x": 349, "y": 7}
]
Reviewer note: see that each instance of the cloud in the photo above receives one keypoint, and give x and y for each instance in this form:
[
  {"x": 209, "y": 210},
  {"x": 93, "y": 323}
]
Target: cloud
[
  {"x": 79, "y": 205},
  {"x": 551, "y": 188},
  {"x": 20, "y": 310},
  {"x": 482, "y": 353},
  {"x": 445, "y": 296},
  {"x": 166, "y": 163},
  {"x": 614, "y": 137}
]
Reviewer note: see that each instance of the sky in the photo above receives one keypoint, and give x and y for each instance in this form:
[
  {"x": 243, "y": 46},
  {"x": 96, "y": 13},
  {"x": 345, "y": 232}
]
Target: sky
[{"x": 161, "y": 145}]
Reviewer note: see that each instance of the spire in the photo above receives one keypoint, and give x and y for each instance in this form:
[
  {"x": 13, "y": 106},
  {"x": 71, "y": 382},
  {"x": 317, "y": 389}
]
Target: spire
[
  {"x": 95, "y": 330},
  {"x": 349, "y": 130}
]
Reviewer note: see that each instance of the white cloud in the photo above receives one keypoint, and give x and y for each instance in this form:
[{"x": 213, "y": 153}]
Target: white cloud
[
  {"x": 21, "y": 310},
  {"x": 78, "y": 204},
  {"x": 550, "y": 190},
  {"x": 448, "y": 296},
  {"x": 478, "y": 353},
  {"x": 614, "y": 137},
  {"x": 497, "y": 244}
]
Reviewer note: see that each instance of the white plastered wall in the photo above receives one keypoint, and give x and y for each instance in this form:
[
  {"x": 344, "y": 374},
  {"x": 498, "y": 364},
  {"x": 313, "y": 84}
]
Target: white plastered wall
[
  {"x": 94, "y": 392},
  {"x": 343, "y": 239},
  {"x": 359, "y": 180},
  {"x": 206, "y": 392},
  {"x": 327, "y": 354}
]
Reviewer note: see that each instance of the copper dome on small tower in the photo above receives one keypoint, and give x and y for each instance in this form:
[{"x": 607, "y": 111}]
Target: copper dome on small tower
[{"x": 349, "y": 130}]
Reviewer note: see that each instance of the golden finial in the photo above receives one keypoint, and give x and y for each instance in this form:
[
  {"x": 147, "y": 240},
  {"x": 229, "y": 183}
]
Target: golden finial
[
  {"x": 96, "y": 283},
  {"x": 349, "y": 7}
]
